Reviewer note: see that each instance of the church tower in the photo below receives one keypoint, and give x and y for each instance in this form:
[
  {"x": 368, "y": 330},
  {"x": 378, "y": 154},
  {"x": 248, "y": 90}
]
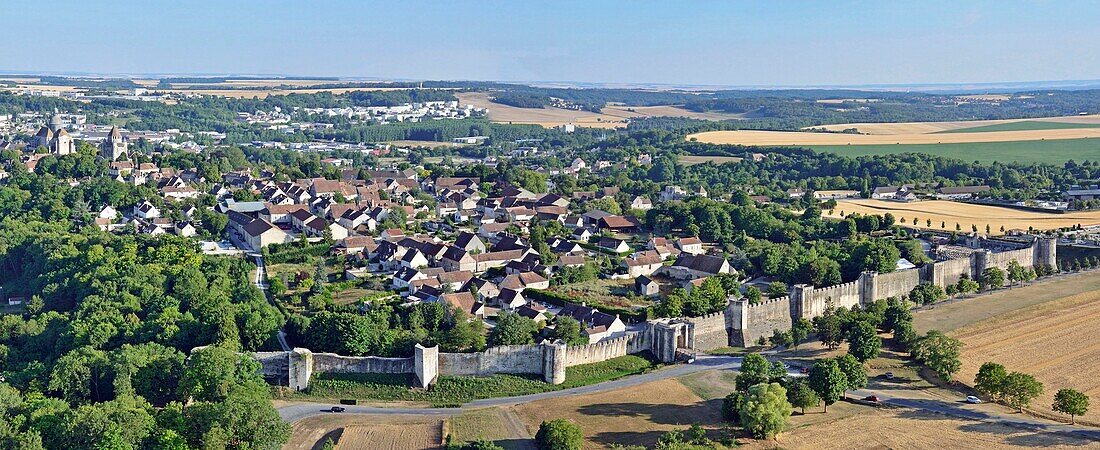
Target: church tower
[{"x": 113, "y": 147}]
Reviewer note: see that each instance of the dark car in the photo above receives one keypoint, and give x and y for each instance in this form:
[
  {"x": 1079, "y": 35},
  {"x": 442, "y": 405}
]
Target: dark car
[
  {"x": 872, "y": 399},
  {"x": 804, "y": 370},
  {"x": 337, "y": 409}
]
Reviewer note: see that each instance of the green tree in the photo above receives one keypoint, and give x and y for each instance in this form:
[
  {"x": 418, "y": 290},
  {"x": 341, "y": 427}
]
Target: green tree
[
  {"x": 828, "y": 381},
  {"x": 828, "y": 329},
  {"x": 777, "y": 289},
  {"x": 513, "y": 329},
  {"x": 854, "y": 372},
  {"x": 938, "y": 352},
  {"x": 800, "y": 331},
  {"x": 755, "y": 369},
  {"x": 559, "y": 434},
  {"x": 1072, "y": 402},
  {"x": 765, "y": 410},
  {"x": 800, "y": 395},
  {"x": 990, "y": 380},
  {"x": 731, "y": 406},
  {"x": 1020, "y": 389},
  {"x": 569, "y": 330},
  {"x": 753, "y": 295},
  {"x": 863, "y": 341},
  {"x": 993, "y": 278},
  {"x": 211, "y": 371}
]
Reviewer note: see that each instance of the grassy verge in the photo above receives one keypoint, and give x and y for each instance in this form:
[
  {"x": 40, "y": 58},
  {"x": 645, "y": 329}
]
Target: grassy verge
[{"x": 455, "y": 390}]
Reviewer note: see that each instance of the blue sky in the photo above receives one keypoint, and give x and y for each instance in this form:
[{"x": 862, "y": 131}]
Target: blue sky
[{"x": 700, "y": 42}]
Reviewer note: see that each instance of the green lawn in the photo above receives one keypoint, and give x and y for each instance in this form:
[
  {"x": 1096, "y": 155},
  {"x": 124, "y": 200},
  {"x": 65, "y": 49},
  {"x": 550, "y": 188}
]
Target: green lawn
[
  {"x": 1054, "y": 152},
  {"x": 1022, "y": 126},
  {"x": 453, "y": 391}
]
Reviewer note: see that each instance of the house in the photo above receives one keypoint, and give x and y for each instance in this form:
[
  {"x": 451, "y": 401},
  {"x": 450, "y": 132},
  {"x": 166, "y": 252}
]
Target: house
[
  {"x": 642, "y": 264},
  {"x": 255, "y": 233},
  {"x": 510, "y": 299},
  {"x": 533, "y": 311},
  {"x": 355, "y": 244},
  {"x": 392, "y": 234},
  {"x": 580, "y": 234},
  {"x": 184, "y": 229},
  {"x": 470, "y": 242},
  {"x": 641, "y": 203},
  {"x": 597, "y": 325},
  {"x": 960, "y": 192},
  {"x": 835, "y": 195},
  {"x": 482, "y": 287},
  {"x": 524, "y": 280},
  {"x": 405, "y": 276},
  {"x": 795, "y": 193},
  {"x": 900, "y": 193},
  {"x": 688, "y": 267},
  {"x": 465, "y": 302},
  {"x": 108, "y": 213},
  {"x": 613, "y": 245},
  {"x": 691, "y": 245},
  {"x": 456, "y": 259},
  {"x": 570, "y": 261},
  {"x": 413, "y": 259},
  {"x": 646, "y": 287},
  {"x": 618, "y": 223},
  {"x": 146, "y": 210}
]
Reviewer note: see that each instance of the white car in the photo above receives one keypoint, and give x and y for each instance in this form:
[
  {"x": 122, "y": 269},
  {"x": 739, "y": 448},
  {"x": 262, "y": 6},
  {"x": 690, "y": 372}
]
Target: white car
[{"x": 973, "y": 399}]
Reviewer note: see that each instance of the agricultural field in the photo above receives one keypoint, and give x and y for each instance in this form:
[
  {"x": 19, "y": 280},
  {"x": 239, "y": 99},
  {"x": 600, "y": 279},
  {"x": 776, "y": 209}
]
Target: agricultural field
[
  {"x": 1055, "y": 152},
  {"x": 635, "y": 415},
  {"x": 357, "y": 431},
  {"x": 965, "y": 214},
  {"x": 547, "y": 117},
  {"x": 1054, "y": 341},
  {"x": 1046, "y": 140},
  {"x": 934, "y": 127},
  {"x": 667, "y": 111},
  {"x": 810, "y": 139},
  {"x": 691, "y": 160}
]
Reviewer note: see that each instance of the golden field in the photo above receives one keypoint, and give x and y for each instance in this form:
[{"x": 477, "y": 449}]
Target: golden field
[
  {"x": 965, "y": 215},
  {"x": 934, "y": 127},
  {"x": 360, "y": 431},
  {"x": 1054, "y": 341}
]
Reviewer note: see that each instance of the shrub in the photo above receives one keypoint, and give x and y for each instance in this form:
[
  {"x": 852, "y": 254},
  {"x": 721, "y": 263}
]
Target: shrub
[{"x": 559, "y": 434}]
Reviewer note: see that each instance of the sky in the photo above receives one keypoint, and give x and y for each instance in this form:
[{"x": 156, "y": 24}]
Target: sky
[{"x": 725, "y": 43}]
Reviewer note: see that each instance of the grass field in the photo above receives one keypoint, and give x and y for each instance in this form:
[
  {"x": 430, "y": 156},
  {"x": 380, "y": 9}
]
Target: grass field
[
  {"x": 1054, "y": 152},
  {"x": 1055, "y": 341},
  {"x": 450, "y": 390},
  {"x": 1023, "y": 125},
  {"x": 966, "y": 215},
  {"x": 933, "y": 127},
  {"x": 806, "y": 139}
]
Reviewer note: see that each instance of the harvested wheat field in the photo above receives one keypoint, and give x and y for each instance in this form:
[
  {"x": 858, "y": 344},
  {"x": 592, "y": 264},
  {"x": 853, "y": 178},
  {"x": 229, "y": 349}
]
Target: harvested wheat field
[
  {"x": 635, "y": 415},
  {"x": 547, "y": 117},
  {"x": 263, "y": 93},
  {"x": 935, "y": 127},
  {"x": 909, "y": 429},
  {"x": 800, "y": 138},
  {"x": 1054, "y": 341},
  {"x": 360, "y": 431},
  {"x": 667, "y": 111},
  {"x": 966, "y": 215}
]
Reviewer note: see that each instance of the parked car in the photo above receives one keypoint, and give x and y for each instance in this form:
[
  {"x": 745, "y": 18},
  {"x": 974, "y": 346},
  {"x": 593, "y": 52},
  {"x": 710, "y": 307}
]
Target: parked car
[
  {"x": 337, "y": 409},
  {"x": 973, "y": 399},
  {"x": 872, "y": 399},
  {"x": 804, "y": 370},
  {"x": 889, "y": 375}
]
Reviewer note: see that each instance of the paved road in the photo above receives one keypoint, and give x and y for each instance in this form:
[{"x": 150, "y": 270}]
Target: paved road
[
  {"x": 924, "y": 401},
  {"x": 889, "y": 394},
  {"x": 300, "y": 410}
]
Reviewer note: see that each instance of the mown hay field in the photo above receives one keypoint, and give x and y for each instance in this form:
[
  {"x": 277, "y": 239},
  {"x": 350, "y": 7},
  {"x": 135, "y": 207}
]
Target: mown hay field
[
  {"x": 966, "y": 215},
  {"x": 362, "y": 431},
  {"x": 1055, "y": 341}
]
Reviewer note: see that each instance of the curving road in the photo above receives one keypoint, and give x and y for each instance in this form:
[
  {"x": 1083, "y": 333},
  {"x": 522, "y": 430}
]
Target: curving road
[
  {"x": 891, "y": 394},
  {"x": 296, "y": 411}
]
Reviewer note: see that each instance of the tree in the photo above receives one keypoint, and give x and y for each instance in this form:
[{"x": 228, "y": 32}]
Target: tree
[
  {"x": 854, "y": 373},
  {"x": 781, "y": 338},
  {"x": 863, "y": 341},
  {"x": 776, "y": 289},
  {"x": 1020, "y": 389},
  {"x": 828, "y": 329},
  {"x": 938, "y": 352},
  {"x": 559, "y": 434},
  {"x": 1071, "y": 402},
  {"x": 990, "y": 380},
  {"x": 755, "y": 369},
  {"x": 993, "y": 278},
  {"x": 1016, "y": 272},
  {"x": 513, "y": 329},
  {"x": 731, "y": 406},
  {"x": 569, "y": 330},
  {"x": 800, "y": 395},
  {"x": 800, "y": 331},
  {"x": 753, "y": 295},
  {"x": 828, "y": 381},
  {"x": 765, "y": 410},
  {"x": 967, "y": 286}
]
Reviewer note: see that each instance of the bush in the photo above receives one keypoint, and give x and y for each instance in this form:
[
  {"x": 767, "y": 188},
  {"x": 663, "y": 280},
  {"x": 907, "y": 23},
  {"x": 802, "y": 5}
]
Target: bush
[{"x": 559, "y": 434}]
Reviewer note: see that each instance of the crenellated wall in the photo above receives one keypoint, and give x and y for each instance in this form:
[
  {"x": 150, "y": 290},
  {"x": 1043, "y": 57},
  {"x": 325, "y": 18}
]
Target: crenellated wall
[
  {"x": 630, "y": 343},
  {"x": 515, "y": 359},
  {"x": 713, "y": 330}
]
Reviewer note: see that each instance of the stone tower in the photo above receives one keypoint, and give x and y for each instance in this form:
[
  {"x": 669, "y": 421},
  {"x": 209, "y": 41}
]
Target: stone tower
[{"x": 114, "y": 146}]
